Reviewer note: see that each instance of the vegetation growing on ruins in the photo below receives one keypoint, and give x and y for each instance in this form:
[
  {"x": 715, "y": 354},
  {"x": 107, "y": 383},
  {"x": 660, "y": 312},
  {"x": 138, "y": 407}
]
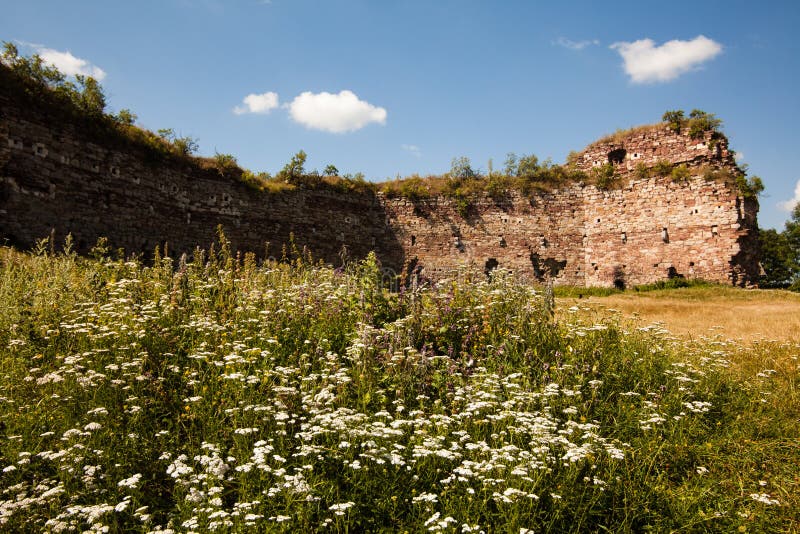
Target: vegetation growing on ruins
[
  {"x": 697, "y": 124},
  {"x": 218, "y": 394},
  {"x": 84, "y": 99}
]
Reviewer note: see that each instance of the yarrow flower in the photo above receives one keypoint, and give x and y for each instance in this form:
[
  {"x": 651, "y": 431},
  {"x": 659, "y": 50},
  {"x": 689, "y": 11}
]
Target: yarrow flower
[
  {"x": 341, "y": 508},
  {"x": 764, "y": 498},
  {"x": 131, "y": 482}
]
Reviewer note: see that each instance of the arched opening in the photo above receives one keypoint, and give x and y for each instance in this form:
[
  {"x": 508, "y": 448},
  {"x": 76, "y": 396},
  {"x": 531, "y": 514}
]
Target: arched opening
[{"x": 617, "y": 156}]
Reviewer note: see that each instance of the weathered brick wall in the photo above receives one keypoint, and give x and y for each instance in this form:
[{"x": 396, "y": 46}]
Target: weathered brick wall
[
  {"x": 655, "y": 229},
  {"x": 650, "y": 144},
  {"x": 58, "y": 175},
  {"x": 530, "y": 237}
]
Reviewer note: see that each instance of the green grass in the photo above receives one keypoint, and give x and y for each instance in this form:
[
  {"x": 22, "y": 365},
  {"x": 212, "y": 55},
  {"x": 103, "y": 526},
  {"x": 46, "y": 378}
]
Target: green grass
[{"x": 224, "y": 395}]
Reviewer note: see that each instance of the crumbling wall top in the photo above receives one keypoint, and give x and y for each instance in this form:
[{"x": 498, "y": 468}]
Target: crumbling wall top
[{"x": 651, "y": 144}]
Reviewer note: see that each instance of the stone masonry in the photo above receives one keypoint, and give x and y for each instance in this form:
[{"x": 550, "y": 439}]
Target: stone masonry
[{"x": 58, "y": 176}]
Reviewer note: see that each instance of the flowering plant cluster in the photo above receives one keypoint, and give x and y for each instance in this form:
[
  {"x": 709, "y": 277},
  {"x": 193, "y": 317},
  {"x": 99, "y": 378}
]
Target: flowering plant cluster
[{"x": 222, "y": 395}]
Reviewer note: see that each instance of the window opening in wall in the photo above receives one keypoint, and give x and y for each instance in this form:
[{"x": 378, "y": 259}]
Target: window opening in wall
[
  {"x": 490, "y": 265},
  {"x": 619, "y": 277},
  {"x": 672, "y": 273},
  {"x": 503, "y": 242},
  {"x": 413, "y": 240},
  {"x": 598, "y": 219},
  {"x": 664, "y": 235},
  {"x": 624, "y": 237},
  {"x": 617, "y": 156},
  {"x": 715, "y": 230}
]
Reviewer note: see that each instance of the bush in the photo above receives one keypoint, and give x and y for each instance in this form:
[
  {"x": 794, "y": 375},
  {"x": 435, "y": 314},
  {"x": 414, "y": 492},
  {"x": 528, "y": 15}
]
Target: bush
[
  {"x": 662, "y": 168},
  {"x": 225, "y": 163},
  {"x": 414, "y": 189},
  {"x": 749, "y": 187},
  {"x": 680, "y": 173},
  {"x": 675, "y": 119},
  {"x": 605, "y": 176}
]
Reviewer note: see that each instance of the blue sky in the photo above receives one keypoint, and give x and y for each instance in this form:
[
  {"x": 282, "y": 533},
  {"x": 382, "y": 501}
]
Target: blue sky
[{"x": 388, "y": 87}]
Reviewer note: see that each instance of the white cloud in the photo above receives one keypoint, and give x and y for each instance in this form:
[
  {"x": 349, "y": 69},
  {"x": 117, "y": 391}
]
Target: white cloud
[
  {"x": 788, "y": 205},
  {"x": 253, "y": 103},
  {"x": 575, "y": 45},
  {"x": 739, "y": 157},
  {"x": 412, "y": 149},
  {"x": 646, "y": 63},
  {"x": 69, "y": 64},
  {"x": 336, "y": 113}
]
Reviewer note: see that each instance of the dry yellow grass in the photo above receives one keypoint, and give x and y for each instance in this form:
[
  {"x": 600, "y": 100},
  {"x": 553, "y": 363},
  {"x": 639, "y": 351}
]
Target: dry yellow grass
[{"x": 736, "y": 314}]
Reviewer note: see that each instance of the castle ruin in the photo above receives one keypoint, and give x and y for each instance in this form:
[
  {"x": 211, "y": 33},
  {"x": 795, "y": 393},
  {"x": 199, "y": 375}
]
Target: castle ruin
[{"x": 58, "y": 176}]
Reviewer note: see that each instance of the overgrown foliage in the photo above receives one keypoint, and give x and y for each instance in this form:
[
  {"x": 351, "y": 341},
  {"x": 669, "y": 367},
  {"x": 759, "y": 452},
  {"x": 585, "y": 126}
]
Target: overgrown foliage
[
  {"x": 780, "y": 254},
  {"x": 605, "y": 176},
  {"x": 698, "y": 123},
  {"x": 84, "y": 100},
  {"x": 218, "y": 394}
]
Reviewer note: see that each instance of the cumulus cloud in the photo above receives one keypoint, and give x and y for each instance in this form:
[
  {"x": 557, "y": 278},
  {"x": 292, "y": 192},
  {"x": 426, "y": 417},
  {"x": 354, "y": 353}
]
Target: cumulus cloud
[
  {"x": 645, "y": 62},
  {"x": 412, "y": 149},
  {"x": 336, "y": 113},
  {"x": 788, "y": 205},
  {"x": 69, "y": 64},
  {"x": 253, "y": 103},
  {"x": 575, "y": 45}
]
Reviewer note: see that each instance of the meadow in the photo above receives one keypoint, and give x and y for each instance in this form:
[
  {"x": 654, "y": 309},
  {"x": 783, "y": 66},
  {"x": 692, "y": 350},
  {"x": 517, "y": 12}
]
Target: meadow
[{"x": 224, "y": 394}]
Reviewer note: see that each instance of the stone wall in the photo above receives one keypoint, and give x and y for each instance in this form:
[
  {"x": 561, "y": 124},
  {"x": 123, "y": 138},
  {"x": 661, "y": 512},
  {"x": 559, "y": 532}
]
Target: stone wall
[
  {"x": 648, "y": 145},
  {"x": 58, "y": 175}
]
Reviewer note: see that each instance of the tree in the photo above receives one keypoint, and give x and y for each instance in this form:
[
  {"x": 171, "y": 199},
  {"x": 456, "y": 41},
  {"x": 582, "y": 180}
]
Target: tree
[
  {"x": 461, "y": 168},
  {"x": 701, "y": 122},
  {"x": 125, "y": 117},
  {"x": 780, "y": 254},
  {"x": 330, "y": 170},
  {"x": 184, "y": 146},
  {"x": 528, "y": 166},
  {"x": 90, "y": 98},
  {"x": 776, "y": 258},
  {"x": 675, "y": 119},
  {"x": 510, "y": 168},
  {"x": 295, "y": 169}
]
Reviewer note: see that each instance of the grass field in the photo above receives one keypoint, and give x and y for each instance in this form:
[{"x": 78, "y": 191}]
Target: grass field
[
  {"x": 707, "y": 311},
  {"x": 222, "y": 395}
]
